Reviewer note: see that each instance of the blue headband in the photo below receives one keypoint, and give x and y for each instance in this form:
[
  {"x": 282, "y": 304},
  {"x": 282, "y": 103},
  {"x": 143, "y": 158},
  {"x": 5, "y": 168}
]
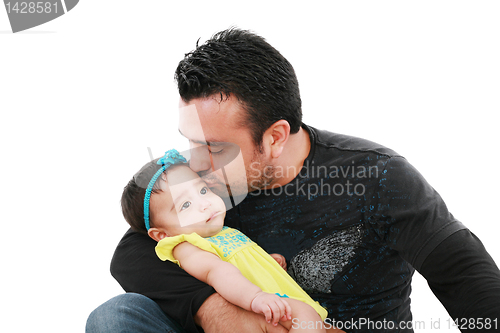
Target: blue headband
[{"x": 171, "y": 157}]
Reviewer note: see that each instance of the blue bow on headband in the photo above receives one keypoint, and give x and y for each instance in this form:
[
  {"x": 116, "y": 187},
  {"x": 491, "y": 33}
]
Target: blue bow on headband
[{"x": 170, "y": 158}]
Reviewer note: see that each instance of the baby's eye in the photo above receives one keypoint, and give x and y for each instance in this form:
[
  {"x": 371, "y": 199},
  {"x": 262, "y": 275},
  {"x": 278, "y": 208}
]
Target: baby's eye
[
  {"x": 204, "y": 190},
  {"x": 186, "y": 205}
]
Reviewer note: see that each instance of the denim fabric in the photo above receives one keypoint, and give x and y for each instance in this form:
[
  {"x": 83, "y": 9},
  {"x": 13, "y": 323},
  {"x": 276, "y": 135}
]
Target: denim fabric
[{"x": 130, "y": 313}]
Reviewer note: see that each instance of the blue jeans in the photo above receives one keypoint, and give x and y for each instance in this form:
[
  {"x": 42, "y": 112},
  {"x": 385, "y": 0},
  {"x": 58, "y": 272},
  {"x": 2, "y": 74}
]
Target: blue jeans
[{"x": 130, "y": 313}]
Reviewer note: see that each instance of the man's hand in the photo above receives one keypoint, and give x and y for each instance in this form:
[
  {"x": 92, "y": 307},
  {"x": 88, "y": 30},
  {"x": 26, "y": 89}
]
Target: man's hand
[
  {"x": 280, "y": 259},
  {"x": 273, "y": 307},
  {"x": 216, "y": 315}
]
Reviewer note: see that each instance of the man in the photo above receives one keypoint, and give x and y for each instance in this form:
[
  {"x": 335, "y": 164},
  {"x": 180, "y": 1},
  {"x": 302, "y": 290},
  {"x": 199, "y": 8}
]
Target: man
[{"x": 352, "y": 218}]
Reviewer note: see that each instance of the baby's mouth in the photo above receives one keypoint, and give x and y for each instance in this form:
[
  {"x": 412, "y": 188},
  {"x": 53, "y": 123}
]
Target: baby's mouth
[{"x": 212, "y": 216}]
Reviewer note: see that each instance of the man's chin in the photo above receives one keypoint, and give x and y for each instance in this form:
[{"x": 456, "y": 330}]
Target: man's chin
[
  {"x": 219, "y": 189},
  {"x": 228, "y": 195}
]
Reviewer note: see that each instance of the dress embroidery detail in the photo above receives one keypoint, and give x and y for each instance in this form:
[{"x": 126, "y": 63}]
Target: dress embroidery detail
[{"x": 229, "y": 241}]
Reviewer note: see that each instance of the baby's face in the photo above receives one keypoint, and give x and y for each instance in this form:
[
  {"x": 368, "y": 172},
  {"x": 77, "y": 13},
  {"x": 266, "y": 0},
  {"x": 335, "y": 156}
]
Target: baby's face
[{"x": 186, "y": 205}]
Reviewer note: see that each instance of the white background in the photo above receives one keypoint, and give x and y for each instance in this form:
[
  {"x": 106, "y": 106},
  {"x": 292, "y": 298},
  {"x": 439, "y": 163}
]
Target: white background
[{"x": 83, "y": 96}]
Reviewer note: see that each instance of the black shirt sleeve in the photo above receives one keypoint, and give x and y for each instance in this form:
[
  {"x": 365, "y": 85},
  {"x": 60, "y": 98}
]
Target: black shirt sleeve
[
  {"x": 464, "y": 277},
  {"x": 413, "y": 220},
  {"x": 137, "y": 269}
]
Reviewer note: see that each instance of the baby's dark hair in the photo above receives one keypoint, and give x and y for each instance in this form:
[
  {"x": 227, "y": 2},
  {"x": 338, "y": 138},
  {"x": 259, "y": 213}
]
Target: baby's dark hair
[
  {"x": 132, "y": 200},
  {"x": 240, "y": 63}
]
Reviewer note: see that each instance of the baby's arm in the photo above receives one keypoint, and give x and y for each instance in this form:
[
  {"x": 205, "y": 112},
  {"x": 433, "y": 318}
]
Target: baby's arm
[{"x": 228, "y": 281}]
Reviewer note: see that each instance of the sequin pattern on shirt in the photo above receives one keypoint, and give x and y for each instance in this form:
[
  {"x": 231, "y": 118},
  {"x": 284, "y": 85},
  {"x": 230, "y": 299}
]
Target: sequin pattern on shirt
[{"x": 315, "y": 268}]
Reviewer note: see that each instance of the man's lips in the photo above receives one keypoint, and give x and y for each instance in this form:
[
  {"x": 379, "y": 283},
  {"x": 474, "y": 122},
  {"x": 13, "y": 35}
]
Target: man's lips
[
  {"x": 210, "y": 179},
  {"x": 211, "y": 183}
]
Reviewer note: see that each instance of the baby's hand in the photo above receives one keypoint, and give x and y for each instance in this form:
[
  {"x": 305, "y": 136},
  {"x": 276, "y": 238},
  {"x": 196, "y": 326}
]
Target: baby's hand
[
  {"x": 280, "y": 259},
  {"x": 272, "y": 306}
]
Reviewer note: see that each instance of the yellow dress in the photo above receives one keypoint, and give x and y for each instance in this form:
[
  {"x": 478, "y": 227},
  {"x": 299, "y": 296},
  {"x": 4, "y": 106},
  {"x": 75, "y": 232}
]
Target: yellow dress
[{"x": 255, "y": 264}]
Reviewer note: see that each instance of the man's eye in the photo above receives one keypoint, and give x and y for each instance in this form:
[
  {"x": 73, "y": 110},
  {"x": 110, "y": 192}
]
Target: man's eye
[
  {"x": 215, "y": 151},
  {"x": 186, "y": 205},
  {"x": 204, "y": 190}
]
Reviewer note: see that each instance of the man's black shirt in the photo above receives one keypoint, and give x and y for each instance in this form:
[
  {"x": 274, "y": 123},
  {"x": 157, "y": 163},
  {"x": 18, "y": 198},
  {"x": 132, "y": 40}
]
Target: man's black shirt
[{"x": 353, "y": 225}]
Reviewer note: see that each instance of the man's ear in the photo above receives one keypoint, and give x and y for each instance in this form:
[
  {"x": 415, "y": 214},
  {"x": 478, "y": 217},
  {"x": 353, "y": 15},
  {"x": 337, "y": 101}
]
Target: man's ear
[
  {"x": 275, "y": 137},
  {"x": 157, "y": 234}
]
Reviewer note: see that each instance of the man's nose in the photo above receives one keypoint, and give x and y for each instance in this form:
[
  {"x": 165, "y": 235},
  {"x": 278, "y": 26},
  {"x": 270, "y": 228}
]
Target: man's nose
[{"x": 200, "y": 159}]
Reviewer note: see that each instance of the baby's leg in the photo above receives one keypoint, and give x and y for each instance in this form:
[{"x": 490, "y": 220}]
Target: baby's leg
[{"x": 305, "y": 319}]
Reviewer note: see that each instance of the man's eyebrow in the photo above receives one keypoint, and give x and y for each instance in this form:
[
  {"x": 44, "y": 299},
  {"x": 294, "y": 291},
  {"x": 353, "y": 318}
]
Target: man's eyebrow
[{"x": 207, "y": 142}]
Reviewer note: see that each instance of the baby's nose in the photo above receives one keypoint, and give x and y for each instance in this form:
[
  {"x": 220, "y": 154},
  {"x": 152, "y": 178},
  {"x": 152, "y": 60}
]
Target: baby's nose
[{"x": 204, "y": 204}]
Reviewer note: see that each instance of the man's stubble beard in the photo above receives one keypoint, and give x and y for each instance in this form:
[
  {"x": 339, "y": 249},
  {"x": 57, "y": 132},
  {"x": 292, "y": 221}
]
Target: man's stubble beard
[
  {"x": 259, "y": 175},
  {"x": 265, "y": 176}
]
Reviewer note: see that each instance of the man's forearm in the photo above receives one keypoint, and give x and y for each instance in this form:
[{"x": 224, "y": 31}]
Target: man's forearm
[{"x": 216, "y": 315}]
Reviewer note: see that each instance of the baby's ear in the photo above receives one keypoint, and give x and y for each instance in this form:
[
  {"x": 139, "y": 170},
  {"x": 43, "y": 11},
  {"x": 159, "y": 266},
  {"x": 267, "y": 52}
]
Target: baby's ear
[{"x": 157, "y": 234}]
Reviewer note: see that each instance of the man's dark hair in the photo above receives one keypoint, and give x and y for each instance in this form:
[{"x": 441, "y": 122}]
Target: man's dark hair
[{"x": 240, "y": 63}]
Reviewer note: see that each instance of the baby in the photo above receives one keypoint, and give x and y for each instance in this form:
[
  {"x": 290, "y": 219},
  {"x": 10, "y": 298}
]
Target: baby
[{"x": 187, "y": 220}]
